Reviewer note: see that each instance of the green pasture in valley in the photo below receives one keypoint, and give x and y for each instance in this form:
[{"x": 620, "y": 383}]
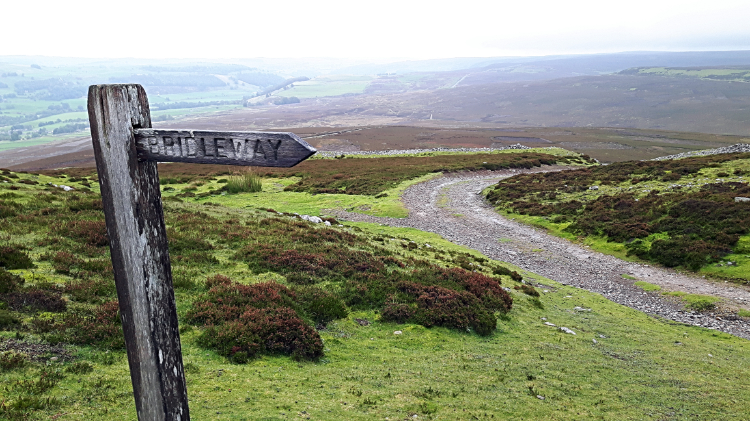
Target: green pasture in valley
[{"x": 328, "y": 86}]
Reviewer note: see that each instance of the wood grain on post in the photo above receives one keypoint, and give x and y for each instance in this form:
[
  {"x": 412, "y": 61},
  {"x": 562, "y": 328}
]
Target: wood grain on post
[{"x": 138, "y": 244}]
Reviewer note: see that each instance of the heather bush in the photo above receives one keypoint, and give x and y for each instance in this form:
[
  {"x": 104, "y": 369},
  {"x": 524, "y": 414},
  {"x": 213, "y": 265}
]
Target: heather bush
[
  {"x": 92, "y": 233},
  {"x": 79, "y": 367},
  {"x": 91, "y": 290},
  {"x": 252, "y": 319},
  {"x": 100, "y": 326},
  {"x": 8, "y": 320},
  {"x": 35, "y": 299},
  {"x": 227, "y": 300},
  {"x": 320, "y": 305},
  {"x": 527, "y": 289},
  {"x": 398, "y": 312},
  {"x": 13, "y": 257},
  {"x": 10, "y": 360},
  {"x": 9, "y": 282},
  {"x": 438, "y": 306}
]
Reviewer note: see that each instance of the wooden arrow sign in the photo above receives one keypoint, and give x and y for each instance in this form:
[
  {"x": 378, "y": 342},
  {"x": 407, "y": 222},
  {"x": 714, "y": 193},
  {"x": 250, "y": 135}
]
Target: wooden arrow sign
[{"x": 263, "y": 149}]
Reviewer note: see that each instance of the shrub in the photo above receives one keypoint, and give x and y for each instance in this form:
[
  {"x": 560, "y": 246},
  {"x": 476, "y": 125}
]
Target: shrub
[
  {"x": 527, "y": 289},
  {"x": 320, "y": 305},
  {"x": 10, "y": 360},
  {"x": 64, "y": 262},
  {"x": 397, "y": 312},
  {"x": 487, "y": 289},
  {"x": 227, "y": 300},
  {"x": 92, "y": 290},
  {"x": 9, "y": 282},
  {"x": 252, "y": 319},
  {"x": 80, "y": 367},
  {"x": 100, "y": 327},
  {"x": 438, "y": 306},
  {"x": 276, "y": 330},
  {"x": 7, "y": 320},
  {"x": 500, "y": 270},
  {"x": 35, "y": 299},
  {"x": 13, "y": 257},
  {"x": 230, "y": 338},
  {"x": 93, "y": 233}
]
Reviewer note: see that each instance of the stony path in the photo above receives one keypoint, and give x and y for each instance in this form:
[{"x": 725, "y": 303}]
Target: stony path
[{"x": 452, "y": 206}]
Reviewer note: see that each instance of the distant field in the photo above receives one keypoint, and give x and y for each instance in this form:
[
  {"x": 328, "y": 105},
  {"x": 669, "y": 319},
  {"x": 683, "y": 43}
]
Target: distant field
[
  {"x": 328, "y": 86},
  {"x": 736, "y": 74}
]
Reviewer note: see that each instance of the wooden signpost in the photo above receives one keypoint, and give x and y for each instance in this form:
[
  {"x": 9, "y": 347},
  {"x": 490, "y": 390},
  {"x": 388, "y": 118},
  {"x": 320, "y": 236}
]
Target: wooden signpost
[{"x": 126, "y": 151}]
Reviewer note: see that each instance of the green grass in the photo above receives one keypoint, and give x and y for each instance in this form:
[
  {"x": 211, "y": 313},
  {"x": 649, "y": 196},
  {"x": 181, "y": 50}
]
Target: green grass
[
  {"x": 695, "y": 302},
  {"x": 247, "y": 182},
  {"x": 626, "y": 276},
  {"x": 273, "y": 196},
  {"x": 638, "y": 368},
  {"x": 645, "y": 285}
]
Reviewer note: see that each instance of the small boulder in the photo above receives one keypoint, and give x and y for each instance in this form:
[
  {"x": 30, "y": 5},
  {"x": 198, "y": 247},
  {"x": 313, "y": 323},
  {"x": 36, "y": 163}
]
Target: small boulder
[
  {"x": 566, "y": 330},
  {"x": 742, "y": 199}
]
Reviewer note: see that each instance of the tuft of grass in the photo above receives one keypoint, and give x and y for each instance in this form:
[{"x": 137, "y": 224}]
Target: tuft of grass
[
  {"x": 626, "y": 276},
  {"x": 247, "y": 182},
  {"x": 645, "y": 285},
  {"x": 696, "y": 302},
  {"x": 743, "y": 313}
]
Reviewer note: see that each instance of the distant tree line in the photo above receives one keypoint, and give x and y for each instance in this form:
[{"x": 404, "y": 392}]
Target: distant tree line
[
  {"x": 281, "y": 85},
  {"x": 208, "y": 68},
  {"x": 70, "y": 128},
  {"x": 259, "y": 78},
  {"x": 195, "y": 81},
  {"x": 7, "y": 120},
  {"x": 11, "y": 74},
  {"x": 3, "y": 85},
  {"x": 285, "y": 100},
  {"x": 51, "y": 89},
  {"x": 185, "y": 104}
]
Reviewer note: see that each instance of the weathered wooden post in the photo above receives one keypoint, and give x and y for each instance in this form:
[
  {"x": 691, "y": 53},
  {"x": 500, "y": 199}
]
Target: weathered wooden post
[{"x": 126, "y": 151}]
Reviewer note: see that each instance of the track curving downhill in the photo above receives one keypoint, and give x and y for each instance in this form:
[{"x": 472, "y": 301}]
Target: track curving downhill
[{"x": 453, "y": 207}]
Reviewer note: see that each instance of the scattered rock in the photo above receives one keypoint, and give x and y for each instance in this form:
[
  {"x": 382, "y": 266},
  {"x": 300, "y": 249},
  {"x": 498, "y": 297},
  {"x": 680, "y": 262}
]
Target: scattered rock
[
  {"x": 398, "y": 332},
  {"x": 362, "y": 322},
  {"x": 737, "y": 148},
  {"x": 742, "y": 199},
  {"x": 550, "y": 324},
  {"x": 566, "y": 330},
  {"x": 313, "y": 219},
  {"x": 540, "y": 397}
]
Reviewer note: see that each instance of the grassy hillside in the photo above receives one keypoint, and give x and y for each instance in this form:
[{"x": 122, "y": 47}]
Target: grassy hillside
[
  {"x": 282, "y": 319},
  {"x": 680, "y": 213}
]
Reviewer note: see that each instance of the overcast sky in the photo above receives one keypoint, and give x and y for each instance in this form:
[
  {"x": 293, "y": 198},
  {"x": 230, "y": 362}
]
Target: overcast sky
[{"x": 367, "y": 29}]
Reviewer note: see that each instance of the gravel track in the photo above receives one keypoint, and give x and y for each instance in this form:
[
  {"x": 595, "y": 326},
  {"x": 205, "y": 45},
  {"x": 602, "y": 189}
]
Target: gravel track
[{"x": 452, "y": 206}]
